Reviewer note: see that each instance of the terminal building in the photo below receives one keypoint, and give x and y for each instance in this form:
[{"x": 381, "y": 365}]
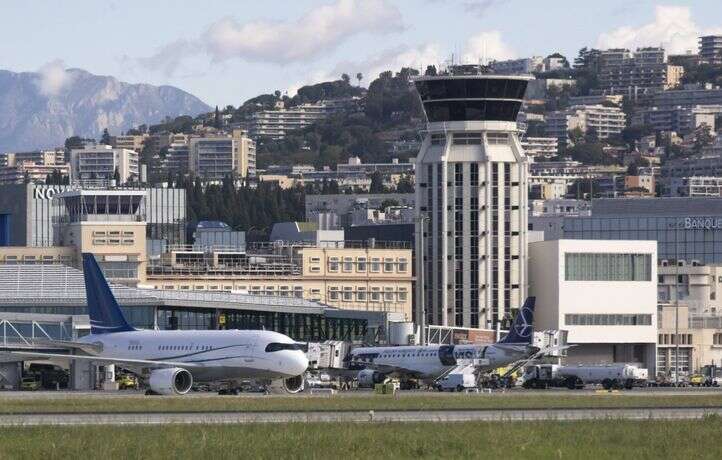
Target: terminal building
[
  {"x": 471, "y": 196},
  {"x": 27, "y": 212}
]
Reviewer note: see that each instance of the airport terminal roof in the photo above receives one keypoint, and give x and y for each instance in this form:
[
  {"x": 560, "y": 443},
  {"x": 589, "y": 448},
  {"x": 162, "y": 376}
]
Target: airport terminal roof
[{"x": 55, "y": 285}]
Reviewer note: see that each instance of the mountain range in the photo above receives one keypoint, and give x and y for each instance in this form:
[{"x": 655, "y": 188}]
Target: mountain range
[{"x": 40, "y": 110}]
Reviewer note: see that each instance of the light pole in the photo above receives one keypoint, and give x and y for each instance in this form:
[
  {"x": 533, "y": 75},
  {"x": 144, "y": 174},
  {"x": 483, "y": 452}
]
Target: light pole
[{"x": 420, "y": 297}]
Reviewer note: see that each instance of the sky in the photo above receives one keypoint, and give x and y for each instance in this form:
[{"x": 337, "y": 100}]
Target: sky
[{"x": 226, "y": 51}]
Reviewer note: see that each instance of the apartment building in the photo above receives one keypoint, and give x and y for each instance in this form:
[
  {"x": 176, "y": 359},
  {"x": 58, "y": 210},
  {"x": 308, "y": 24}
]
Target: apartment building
[
  {"x": 177, "y": 156},
  {"x": 544, "y": 147},
  {"x": 632, "y": 74},
  {"x": 100, "y": 162},
  {"x": 710, "y": 49},
  {"x": 689, "y": 96},
  {"x": 275, "y": 124},
  {"x": 355, "y": 165},
  {"x": 519, "y": 66},
  {"x": 695, "y": 186},
  {"x": 352, "y": 278},
  {"x": 605, "y": 121},
  {"x": 680, "y": 119},
  {"x": 129, "y": 142},
  {"x": 218, "y": 156},
  {"x": 28, "y": 171},
  {"x": 42, "y": 157}
]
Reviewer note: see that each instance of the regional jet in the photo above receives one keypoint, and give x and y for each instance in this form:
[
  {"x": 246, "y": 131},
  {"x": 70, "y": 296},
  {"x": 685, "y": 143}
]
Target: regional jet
[
  {"x": 431, "y": 362},
  {"x": 171, "y": 361}
]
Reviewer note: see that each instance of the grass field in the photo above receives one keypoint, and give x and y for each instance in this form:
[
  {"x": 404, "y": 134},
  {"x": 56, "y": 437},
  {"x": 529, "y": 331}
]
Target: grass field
[
  {"x": 69, "y": 402},
  {"x": 537, "y": 440}
]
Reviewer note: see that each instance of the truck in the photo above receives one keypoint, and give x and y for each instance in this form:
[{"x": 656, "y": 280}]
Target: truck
[{"x": 575, "y": 377}]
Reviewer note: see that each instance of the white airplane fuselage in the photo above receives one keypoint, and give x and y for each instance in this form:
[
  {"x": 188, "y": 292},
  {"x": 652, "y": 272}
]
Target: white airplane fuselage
[
  {"x": 211, "y": 355},
  {"x": 432, "y": 361}
]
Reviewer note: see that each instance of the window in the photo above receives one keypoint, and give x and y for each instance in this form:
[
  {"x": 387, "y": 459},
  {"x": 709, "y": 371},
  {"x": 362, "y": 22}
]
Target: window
[
  {"x": 315, "y": 260},
  {"x": 333, "y": 264},
  {"x": 402, "y": 265},
  {"x": 375, "y": 265},
  {"x": 348, "y": 294},
  {"x": 497, "y": 138},
  {"x": 403, "y": 295},
  {"x": 388, "y": 265},
  {"x": 274, "y": 346},
  {"x": 591, "y": 319},
  {"x": 361, "y": 264},
  {"x": 608, "y": 267},
  {"x": 361, "y": 294},
  {"x": 333, "y": 293},
  {"x": 375, "y": 294},
  {"x": 389, "y": 294},
  {"x": 347, "y": 264},
  {"x": 438, "y": 139},
  {"x": 467, "y": 139},
  {"x": 315, "y": 269}
]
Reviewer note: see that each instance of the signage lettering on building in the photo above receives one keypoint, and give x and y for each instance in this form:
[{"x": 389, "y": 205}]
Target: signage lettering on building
[
  {"x": 702, "y": 223},
  {"x": 41, "y": 193}
]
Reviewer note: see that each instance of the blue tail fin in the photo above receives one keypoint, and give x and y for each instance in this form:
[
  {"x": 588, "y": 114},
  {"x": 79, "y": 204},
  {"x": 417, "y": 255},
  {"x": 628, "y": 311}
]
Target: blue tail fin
[
  {"x": 521, "y": 329},
  {"x": 105, "y": 314}
]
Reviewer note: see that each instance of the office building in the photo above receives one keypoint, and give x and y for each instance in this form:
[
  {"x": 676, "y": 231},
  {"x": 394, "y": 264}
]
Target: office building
[
  {"x": 28, "y": 211},
  {"x": 684, "y": 228},
  {"x": 545, "y": 147},
  {"x": 603, "y": 293},
  {"x": 686, "y": 343},
  {"x": 101, "y": 162},
  {"x": 217, "y": 157},
  {"x": 605, "y": 121},
  {"x": 710, "y": 49},
  {"x": 471, "y": 196},
  {"x": 346, "y": 277}
]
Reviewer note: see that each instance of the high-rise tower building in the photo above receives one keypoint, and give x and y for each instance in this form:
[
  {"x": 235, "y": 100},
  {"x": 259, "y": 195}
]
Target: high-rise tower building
[{"x": 471, "y": 197}]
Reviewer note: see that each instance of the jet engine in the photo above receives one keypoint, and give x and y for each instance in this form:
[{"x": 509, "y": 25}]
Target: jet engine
[
  {"x": 367, "y": 378},
  {"x": 171, "y": 381},
  {"x": 295, "y": 384}
]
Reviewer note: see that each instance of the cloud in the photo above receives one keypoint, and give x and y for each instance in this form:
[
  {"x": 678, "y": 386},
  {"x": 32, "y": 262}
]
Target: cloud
[
  {"x": 673, "y": 28},
  {"x": 316, "y": 32},
  {"x": 169, "y": 58},
  {"x": 487, "y": 46},
  {"x": 53, "y": 78},
  {"x": 480, "y": 7}
]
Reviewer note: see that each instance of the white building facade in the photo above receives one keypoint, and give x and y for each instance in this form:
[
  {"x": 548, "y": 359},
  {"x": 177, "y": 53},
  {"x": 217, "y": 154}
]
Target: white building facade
[
  {"x": 604, "y": 293},
  {"x": 100, "y": 162},
  {"x": 471, "y": 196}
]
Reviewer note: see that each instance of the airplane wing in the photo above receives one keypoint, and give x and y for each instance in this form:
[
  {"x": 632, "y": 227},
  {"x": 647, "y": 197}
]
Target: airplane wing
[
  {"x": 135, "y": 362},
  {"x": 89, "y": 348}
]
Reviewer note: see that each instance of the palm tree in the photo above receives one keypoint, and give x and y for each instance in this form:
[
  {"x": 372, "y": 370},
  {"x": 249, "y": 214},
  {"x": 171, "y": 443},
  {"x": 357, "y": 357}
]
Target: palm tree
[{"x": 359, "y": 77}]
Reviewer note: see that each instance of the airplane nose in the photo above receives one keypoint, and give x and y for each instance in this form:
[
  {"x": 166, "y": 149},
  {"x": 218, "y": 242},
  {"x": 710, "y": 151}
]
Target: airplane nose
[{"x": 298, "y": 363}]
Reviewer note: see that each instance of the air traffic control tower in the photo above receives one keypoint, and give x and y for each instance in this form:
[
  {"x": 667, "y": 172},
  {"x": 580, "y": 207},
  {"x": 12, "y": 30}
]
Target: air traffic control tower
[{"x": 471, "y": 199}]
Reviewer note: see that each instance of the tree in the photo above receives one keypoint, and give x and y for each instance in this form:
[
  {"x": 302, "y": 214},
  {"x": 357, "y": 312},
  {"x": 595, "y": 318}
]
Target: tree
[
  {"x": 217, "y": 119},
  {"x": 116, "y": 176},
  {"x": 377, "y": 183},
  {"x": 576, "y": 135},
  {"x": 430, "y": 70},
  {"x": 359, "y": 77},
  {"x": 277, "y": 93},
  {"x": 388, "y": 203},
  {"x": 105, "y": 138},
  {"x": 346, "y": 79}
]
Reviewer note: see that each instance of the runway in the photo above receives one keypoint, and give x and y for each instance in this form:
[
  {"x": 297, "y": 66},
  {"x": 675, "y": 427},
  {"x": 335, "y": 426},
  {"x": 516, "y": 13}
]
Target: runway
[{"x": 158, "y": 418}]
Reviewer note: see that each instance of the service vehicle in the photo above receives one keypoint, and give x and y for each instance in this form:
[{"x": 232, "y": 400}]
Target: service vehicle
[
  {"x": 30, "y": 384},
  {"x": 456, "y": 382},
  {"x": 575, "y": 377}
]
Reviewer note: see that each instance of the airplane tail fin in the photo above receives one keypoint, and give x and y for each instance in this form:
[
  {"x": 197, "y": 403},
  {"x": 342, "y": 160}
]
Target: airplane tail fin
[
  {"x": 521, "y": 329},
  {"x": 105, "y": 314}
]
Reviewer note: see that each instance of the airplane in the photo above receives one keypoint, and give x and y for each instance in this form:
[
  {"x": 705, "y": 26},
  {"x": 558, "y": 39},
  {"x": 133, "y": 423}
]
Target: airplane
[
  {"x": 431, "y": 362},
  {"x": 171, "y": 361}
]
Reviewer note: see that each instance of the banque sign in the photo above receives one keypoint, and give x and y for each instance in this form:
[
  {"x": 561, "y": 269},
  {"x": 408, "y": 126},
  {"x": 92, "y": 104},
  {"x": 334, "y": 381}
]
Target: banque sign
[{"x": 701, "y": 223}]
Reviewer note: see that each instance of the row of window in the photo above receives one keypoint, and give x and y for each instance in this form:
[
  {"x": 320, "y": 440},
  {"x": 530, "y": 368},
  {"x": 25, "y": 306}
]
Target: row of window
[
  {"x": 607, "y": 267},
  {"x": 669, "y": 339},
  {"x": 184, "y": 347},
  {"x": 593, "y": 319},
  {"x": 113, "y": 241},
  {"x": 361, "y": 265},
  {"x": 361, "y": 294}
]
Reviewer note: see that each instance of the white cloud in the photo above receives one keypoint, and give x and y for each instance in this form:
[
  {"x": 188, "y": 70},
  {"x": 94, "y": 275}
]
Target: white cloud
[
  {"x": 480, "y": 7},
  {"x": 487, "y": 46},
  {"x": 318, "y": 31},
  {"x": 169, "y": 58},
  {"x": 53, "y": 78},
  {"x": 673, "y": 28}
]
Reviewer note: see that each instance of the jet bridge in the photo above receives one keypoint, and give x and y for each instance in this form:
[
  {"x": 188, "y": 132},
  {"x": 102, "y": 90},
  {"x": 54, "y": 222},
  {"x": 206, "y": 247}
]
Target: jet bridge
[{"x": 41, "y": 333}]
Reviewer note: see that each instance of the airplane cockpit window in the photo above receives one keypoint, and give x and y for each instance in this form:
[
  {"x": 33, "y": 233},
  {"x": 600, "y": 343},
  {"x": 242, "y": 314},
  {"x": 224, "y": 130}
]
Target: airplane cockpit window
[{"x": 275, "y": 346}]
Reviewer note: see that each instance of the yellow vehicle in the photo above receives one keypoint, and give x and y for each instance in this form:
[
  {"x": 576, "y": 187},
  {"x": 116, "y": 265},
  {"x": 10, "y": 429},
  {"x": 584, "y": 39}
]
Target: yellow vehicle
[
  {"x": 697, "y": 380},
  {"x": 127, "y": 382},
  {"x": 30, "y": 384}
]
